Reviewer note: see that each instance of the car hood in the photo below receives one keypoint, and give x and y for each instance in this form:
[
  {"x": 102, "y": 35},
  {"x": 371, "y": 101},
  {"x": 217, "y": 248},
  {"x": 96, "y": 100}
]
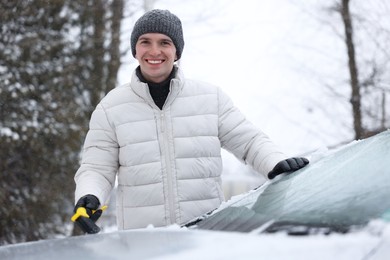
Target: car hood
[{"x": 181, "y": 243}]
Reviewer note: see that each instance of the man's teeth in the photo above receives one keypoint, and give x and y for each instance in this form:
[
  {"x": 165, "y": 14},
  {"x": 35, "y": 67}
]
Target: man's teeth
[{"x": 155, "y": 61}]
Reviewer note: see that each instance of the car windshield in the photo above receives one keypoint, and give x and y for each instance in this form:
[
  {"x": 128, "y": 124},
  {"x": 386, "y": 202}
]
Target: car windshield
[{"x": 347, "y": 188}]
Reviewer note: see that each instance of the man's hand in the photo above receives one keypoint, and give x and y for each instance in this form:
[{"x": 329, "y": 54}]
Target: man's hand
[
  {"x": 288, "y": 166},
  {"x": 87, "y": 213},
  {"x": 90, "y": 203}
]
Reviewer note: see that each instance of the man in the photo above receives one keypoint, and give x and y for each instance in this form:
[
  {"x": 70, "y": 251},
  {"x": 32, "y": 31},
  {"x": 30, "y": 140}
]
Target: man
[{"x": 162, "y": 134}]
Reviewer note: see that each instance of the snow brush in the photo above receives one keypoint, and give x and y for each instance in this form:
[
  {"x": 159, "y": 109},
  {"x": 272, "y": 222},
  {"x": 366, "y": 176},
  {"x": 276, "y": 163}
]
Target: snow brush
[{"x": 87, "y": 222}]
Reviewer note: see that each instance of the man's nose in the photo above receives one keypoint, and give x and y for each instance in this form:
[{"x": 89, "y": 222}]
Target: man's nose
[{"x": 155, "y": 49}]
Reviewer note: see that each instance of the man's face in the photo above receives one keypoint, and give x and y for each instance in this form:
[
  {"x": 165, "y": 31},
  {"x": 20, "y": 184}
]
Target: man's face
[{"x": 156, "y": 54}]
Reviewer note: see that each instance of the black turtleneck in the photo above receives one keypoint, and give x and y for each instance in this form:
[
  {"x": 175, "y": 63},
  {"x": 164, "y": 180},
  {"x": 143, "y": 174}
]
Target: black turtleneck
[{"x": 158, "y": 91}]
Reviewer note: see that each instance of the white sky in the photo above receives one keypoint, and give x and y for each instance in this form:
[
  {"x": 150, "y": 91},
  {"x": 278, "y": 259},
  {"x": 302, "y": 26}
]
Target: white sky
[{"x": 270, "y": 57}]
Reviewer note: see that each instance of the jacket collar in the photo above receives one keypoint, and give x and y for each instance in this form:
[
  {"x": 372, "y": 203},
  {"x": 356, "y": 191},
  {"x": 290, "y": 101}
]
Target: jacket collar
[{"x": 142, "y": 90}]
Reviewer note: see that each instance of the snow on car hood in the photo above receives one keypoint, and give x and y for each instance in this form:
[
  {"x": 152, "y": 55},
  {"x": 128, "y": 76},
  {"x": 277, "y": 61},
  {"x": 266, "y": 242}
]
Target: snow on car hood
[{"x": 181, "y": 243}]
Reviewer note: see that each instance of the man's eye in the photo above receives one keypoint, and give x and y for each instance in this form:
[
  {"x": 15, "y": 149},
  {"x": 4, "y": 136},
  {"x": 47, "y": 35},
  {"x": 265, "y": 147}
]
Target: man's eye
[{"x": 165, "y": 43}]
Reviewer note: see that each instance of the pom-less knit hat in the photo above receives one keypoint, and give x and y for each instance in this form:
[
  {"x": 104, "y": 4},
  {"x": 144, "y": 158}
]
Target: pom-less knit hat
[{"x": 159, "y": 21}]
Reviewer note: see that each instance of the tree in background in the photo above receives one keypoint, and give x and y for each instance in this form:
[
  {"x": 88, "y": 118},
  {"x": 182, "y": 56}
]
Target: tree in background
[
  {"x": 368, "y": 94},
  {"x": 57, "y": 58},
  {"x": 347, "y": 45},
  {"x": 365, "y": 33}
]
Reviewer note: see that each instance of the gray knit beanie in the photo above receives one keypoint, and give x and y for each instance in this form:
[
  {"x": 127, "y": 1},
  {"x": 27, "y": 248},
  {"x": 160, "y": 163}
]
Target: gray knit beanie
[{"x": 159, "y": 21}]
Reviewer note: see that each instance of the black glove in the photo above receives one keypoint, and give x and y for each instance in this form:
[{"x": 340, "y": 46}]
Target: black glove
[
  {"x": 90, "y": 203},
  {"x": 87, "y": 224},
  {"x": 288, "y": 166}
]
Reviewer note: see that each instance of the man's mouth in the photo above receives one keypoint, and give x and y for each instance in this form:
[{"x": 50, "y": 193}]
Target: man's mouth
[{"x": 154, "y": 61}]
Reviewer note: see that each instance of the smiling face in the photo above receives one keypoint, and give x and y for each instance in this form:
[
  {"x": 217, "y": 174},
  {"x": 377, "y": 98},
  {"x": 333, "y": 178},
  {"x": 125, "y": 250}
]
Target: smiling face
[{"x": 156, "y": 54}]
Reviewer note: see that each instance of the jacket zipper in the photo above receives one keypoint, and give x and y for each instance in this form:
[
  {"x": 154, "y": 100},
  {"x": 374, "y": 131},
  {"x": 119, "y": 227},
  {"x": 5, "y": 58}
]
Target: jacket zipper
[{"x": 167, "y": 156}]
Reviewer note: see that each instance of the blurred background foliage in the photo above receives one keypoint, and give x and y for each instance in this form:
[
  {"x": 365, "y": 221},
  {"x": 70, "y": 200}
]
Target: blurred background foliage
[{"x": 57, "y": 59}]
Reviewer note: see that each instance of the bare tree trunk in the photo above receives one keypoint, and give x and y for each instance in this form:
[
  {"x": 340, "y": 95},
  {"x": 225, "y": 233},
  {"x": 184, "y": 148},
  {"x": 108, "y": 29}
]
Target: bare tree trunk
[
  {"x": 353, "y": 71},
  {"x": 114, "y": 51},
  {"x": 98, "y": 46}
]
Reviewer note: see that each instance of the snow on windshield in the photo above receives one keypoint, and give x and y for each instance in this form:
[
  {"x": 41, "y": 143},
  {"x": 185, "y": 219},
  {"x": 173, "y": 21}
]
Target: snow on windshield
[{"x": 348, "y": 187}]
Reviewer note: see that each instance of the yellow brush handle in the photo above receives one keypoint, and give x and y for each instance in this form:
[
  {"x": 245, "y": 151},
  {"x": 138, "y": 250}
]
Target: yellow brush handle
[
  {"x": 82, "y": 212},
  {"x": 103, "y": 208}
]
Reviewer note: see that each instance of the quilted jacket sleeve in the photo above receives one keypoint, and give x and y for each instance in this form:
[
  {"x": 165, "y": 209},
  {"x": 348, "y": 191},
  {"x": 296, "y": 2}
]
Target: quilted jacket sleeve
[
  {"x": 244, "y": 140},
  {"x": 99, "y": 164}
]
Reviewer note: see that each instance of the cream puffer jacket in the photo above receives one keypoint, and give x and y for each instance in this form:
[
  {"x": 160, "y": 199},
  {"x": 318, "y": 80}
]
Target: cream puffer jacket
[{"x": 168, "y": 162}]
